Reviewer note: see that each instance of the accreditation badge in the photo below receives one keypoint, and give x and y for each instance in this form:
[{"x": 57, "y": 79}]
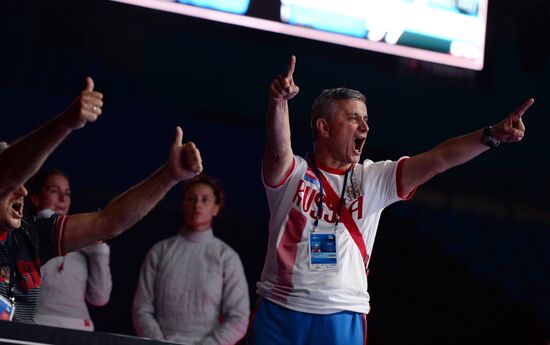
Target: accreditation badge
[
  {"x": 7, "y": 309},
  {"x": 323, "y": 251}
]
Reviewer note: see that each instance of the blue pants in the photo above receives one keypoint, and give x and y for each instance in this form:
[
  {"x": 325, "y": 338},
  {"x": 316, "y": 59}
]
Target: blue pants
[{"x": 272, "y": 324}]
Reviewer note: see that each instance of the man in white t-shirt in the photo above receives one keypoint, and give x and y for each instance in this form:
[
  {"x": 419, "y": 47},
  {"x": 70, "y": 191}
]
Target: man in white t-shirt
[{"x": 325, "y": 211}]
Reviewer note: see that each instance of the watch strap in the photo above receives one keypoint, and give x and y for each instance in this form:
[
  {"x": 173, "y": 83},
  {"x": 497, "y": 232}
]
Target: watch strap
[{"x": 488, "y": 139}]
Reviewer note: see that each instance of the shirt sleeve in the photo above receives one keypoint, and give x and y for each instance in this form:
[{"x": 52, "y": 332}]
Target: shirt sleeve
[
  {"x": 99, "y": 282},
  {"x": 276, "y": 194},
  {"x": 398, "y": 177},
  {"x": 143, "y": 308},
  {"x": 382, "y": 180},
  {"x": 235, "y": 304},
  {"x": 50, "y": 233}
]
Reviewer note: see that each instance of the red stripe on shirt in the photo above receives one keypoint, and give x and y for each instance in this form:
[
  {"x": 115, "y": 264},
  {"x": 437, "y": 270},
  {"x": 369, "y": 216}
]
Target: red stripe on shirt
[
  {"x": 287, "y": 248},
  {"x": 333, "y": 171},
  {"x": 347, "y": 220},
  {"x": 399, "y": 178},
  {"x": 285, "y": 178}
]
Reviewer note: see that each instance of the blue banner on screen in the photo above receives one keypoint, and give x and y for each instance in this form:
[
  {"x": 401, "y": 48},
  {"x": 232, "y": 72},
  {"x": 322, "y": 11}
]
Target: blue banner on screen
[{"x": 231, "y": 6}]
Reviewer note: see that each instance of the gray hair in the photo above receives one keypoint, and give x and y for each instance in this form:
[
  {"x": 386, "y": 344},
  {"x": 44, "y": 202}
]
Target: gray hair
[
  {"x": 3, "y": 145},
  {"x": 324, "y": 104}
]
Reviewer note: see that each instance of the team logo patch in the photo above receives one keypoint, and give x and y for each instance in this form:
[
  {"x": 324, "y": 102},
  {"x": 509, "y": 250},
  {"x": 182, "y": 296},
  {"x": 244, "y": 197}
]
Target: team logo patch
[{"x": 311, "y": 178}]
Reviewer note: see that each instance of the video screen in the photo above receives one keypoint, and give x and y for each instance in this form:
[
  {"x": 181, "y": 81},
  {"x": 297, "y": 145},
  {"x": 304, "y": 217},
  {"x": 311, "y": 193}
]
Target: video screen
[{"x": 449, "y": 32}]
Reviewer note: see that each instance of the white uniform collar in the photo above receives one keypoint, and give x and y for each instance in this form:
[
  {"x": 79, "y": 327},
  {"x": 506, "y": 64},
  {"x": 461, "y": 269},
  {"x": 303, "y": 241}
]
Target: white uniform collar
[{"x": 197, "y": 236}]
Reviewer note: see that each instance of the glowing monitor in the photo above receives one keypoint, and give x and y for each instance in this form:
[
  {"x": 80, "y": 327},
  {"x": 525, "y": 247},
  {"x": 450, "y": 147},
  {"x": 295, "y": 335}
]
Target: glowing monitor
[{"x": 450, "y": 32}]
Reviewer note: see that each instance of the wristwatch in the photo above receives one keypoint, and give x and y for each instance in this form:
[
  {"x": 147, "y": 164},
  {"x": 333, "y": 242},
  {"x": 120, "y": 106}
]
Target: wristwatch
[{"x": 488, "y": 139}]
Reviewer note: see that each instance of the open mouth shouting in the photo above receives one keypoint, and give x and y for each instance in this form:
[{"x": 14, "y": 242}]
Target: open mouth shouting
[
  {"x": 17, "y": 208},
  {"x": 358, "y": 144}
]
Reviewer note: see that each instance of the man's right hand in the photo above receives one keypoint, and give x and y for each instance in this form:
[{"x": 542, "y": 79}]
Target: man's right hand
[
  {"x": 283, "y": 87},
  {"x": 85, "y": 108},
  {"x": 278, "y": 156}
]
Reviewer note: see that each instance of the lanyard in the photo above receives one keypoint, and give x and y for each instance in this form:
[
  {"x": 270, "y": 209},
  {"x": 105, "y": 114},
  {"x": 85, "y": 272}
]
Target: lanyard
[
  {"x": 13, "y": 269},
  {"x": 347, "y": 219},
  {"x": 320, "y": 204}
]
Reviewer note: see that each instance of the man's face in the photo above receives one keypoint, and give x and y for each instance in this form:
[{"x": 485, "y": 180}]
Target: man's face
[
  {"x": 55, "y": 195},
  {"x": 11, "y": 209},
  {"x": 347, "y": 130}
]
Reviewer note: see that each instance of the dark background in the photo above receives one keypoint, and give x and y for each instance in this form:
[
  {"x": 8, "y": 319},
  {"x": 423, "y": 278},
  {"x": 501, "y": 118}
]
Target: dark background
[{"x": 465, "y": 262}]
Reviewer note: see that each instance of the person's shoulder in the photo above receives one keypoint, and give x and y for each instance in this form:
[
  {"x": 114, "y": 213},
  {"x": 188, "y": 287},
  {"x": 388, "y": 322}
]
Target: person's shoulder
[
  {"x": 98, "y": 248},
  {"x": 28, "y": 222},
  {"x": 29, "y": 226},
  {"x": 372, "y": 168},
  {"x": 299, "y": 167},
  {"x": 32, "y": 223},
  {"x": 218, "y": 242},
  {"x": 224, "y": 248},
  {"x": 164, "y": 243},
  {"x": 367, "y": 163},
  {"x": 300, "y": 159},
  {"x": 296, "y": 169}
]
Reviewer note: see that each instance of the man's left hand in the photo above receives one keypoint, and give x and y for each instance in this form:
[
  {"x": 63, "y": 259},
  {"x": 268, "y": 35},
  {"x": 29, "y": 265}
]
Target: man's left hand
[
  {"x": 512, "y": 128},
  {"x": 184, "y": 160}
]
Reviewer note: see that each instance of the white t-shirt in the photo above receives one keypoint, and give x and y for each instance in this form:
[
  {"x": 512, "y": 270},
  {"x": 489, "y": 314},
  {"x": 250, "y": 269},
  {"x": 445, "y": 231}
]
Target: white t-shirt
[{"x": 287, "y": 278}]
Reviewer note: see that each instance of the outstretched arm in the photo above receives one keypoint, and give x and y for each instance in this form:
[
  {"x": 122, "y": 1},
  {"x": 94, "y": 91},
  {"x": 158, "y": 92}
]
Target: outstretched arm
[
  {"x": 453, "y": 152},
  {"x": 184, "y": 162},
  {"x": 26, "y": 155},
  {"x": 278, "y": 150}
]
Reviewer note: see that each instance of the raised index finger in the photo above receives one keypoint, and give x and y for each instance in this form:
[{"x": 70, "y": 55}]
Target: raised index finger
[
  {"x": 291, "y": 65},
  {"x": 522, "y": 108}
]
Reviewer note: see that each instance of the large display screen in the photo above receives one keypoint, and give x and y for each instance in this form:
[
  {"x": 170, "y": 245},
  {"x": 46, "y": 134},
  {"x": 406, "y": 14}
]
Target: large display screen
[{"x": 450, "y": 32}]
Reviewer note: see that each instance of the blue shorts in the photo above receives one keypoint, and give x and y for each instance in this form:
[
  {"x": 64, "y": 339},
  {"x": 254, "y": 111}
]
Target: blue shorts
[{"x": 272, "y": 324}]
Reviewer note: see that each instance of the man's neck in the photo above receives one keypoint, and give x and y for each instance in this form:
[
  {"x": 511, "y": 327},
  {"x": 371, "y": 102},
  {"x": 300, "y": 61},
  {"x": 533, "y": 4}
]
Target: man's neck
[{"x": 325, "y": 160}]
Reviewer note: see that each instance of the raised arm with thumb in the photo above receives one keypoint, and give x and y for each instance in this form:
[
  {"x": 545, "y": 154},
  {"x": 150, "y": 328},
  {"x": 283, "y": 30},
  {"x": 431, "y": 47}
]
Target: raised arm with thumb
[
  {"x": 184, "y": 162},
  {"x": 27, "y": 154}
]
